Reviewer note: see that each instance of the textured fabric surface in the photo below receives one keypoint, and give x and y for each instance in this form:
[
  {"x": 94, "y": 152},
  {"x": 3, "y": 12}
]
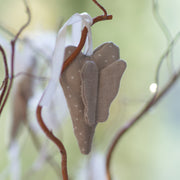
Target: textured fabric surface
[
  {"x": 90, "y": 83},
  {"x": 89, "y": 91}
]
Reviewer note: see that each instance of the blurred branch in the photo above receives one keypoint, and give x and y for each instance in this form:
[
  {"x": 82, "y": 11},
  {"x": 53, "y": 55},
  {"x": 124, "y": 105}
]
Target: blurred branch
[
  {"x": 13, "y": 44},
  {"x": 163, "y": 57},
  {"x": 36, "y": 50},
  {"x": 5, "y": 82},
  {"x": 166, "y": 33},
  {"x": 160, "y": 21},
  {"x": 25, "y": 25},
  {"x": 41, "y": 78},
  {"x": 49, "y": 158},
  {"x": 6, "y": 30},
  {"x": 153, "y": 101}
]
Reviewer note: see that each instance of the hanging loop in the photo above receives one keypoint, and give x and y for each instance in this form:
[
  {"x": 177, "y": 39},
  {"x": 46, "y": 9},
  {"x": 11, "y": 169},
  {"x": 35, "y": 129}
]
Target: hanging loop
[{"x": 78, "y": 21}]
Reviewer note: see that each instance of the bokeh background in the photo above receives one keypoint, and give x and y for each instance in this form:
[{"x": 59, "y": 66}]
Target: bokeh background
[{"x": 151, "y": 149}]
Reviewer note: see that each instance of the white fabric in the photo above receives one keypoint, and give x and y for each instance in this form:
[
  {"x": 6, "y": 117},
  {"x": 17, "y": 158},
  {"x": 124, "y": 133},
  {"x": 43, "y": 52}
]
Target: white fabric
[
  {"x": 78, "y": 21},
  {"x": 15, "y": 165}
]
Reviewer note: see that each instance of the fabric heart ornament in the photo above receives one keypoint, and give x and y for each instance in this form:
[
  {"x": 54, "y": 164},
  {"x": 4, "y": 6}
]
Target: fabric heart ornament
[{"x": 90, "y": 83}]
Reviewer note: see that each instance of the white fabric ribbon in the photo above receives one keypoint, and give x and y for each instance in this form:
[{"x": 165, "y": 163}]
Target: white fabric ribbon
[{"x": 78, "y": 21}]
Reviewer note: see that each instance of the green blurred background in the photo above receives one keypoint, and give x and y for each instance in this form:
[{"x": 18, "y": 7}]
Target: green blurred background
[{"x": 151, "y": 149}]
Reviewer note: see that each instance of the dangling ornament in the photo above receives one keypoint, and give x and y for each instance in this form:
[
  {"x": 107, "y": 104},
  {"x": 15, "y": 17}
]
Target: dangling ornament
[{"x": 90, "y": 84}]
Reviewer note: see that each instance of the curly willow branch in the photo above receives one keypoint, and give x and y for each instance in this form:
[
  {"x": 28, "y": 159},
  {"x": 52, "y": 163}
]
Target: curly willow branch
[
  {"x": 166, "y": 33},
  {"x": 153, "y": 101}
]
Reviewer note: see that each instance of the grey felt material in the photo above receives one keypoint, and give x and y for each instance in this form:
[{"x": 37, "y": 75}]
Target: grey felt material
[{"x": 90, "y": 83}]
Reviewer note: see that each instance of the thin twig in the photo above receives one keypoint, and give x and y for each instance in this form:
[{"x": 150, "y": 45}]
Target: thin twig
[
  {"x": 163, "y": 57},
  {"x": 101, "y": 7},
  {"x": 5, "y": 82},
  {"x": 25, "y": 25},
  {"x": 6, "y": 30},
  {"x": 102, "y": 17},
  {"x": 41, "y": 78},
  {"x": 13, "y": 44},
  {"x": 165, "y": 31},
  {"x": 25, "y": 41},
  {"x": 77, "y": 50},
  {"x": 160, "y": 21}
]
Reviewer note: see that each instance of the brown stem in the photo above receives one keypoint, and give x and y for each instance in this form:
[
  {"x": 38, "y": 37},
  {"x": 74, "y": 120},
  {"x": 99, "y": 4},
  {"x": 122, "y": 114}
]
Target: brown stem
[
  {"x": 101, "y": 7},
  {"x": 13, "y": 44},
  {"x": 84, "y": 36},
  {"x": 102, "y": 17},
  {"x": 59, "y": 144},
  {"x": 77, "y": 50},
  {"x": 131, "y": 122}
]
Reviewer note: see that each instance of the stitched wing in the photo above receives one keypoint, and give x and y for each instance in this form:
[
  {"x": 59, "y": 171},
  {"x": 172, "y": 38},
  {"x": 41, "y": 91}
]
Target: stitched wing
[{"x": 109, "y": 82}]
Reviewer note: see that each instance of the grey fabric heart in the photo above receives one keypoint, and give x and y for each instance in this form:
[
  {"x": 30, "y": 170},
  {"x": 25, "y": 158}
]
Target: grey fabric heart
[{"x": 90, "y": 83}]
